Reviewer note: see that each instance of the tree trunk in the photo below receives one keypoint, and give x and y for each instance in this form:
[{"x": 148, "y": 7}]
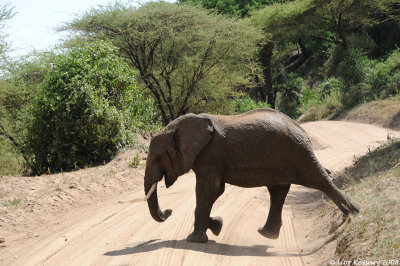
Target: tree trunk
[
  {"x": 296, "y": 61},
  {"x": 14, "y": 142},
  {"x": 266, "y": 58}
]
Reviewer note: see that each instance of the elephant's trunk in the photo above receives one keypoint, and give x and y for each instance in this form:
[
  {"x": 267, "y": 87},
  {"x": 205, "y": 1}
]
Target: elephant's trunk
[{"x": 154, "y": 207}]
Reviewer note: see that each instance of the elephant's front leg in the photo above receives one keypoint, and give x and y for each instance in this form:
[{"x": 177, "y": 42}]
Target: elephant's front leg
[{"x": 207, "y": 192}]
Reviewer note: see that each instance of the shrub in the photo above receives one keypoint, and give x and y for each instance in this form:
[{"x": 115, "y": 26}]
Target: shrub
[
  {"x": 18, "y": 87},
  {"x": 86, "y": 109},
  {"x": 11, "y": 162},
  {"x": 384, "y": 77},
  {"x": 289, "y": 95},
  {"x": 246, "y": 104},
  {"x": 323, "y": 101},
  {"x": 347, "y": 64}
]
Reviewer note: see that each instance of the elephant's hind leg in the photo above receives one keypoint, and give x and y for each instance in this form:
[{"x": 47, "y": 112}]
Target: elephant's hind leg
[
  {"x": 341, "y": 200},
  {"x": 322, "y": 182},
  {"x": 274, "y": 221}
]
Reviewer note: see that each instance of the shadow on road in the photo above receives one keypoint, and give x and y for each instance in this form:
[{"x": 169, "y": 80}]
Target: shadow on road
[{"x": 211, "y": 247}]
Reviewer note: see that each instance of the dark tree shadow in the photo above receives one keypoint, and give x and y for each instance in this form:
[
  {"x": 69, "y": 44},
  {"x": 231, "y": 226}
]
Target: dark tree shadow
[{"x": 211, "y": 248}]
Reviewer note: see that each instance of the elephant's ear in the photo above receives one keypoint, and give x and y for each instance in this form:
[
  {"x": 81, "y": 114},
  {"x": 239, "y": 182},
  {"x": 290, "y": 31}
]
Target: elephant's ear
[{"x": 192, "y": 134}]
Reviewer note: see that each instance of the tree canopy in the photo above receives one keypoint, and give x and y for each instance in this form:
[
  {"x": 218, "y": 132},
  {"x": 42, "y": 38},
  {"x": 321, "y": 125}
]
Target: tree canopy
[
  {"x": 236, "y": 8},
  {"x": 6, "y": 13},
  {"x": 190, "y": 60}
]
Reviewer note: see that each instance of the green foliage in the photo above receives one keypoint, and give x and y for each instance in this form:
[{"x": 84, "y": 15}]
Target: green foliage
[
  {"x": 187, "y": 58},
  {"x": 86, "y": 109},
  {"x": 246, "y": 104},
  {"x": 236, "y": 8},
  {"x": 284, "y": 20},
  {"x": 355, "y": 80},
  {"x": 136, "y": 161},
  {"x": 11, "y": 160},
  {"x": 333, "y": 31},
  {"x": 347, "y": 64},
  {"x": 6, "y": 13},
  {"x": 290, "y": 95},
  {"x": 18, "y": 87},
  {"x": 321, "y": 102},
  {"x": 384, "y": 76}
]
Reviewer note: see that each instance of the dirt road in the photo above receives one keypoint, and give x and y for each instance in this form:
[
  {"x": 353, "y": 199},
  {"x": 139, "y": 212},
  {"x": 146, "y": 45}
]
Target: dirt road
[{"x": 115, "y": 233}]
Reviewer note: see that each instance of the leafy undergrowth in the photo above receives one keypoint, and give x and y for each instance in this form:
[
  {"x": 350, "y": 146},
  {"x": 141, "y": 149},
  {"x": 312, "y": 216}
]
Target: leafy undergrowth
[{"x": 374, "y": 234}]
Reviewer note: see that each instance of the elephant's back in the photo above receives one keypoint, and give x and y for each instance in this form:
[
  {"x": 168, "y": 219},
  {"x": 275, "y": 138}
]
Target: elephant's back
[
  {"x": 261, "y": 143},
  {"x": 261, "y": 123}
]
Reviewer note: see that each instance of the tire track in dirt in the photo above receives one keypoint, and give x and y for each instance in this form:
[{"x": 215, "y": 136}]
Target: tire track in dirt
[{"x": 110, "y": 233}]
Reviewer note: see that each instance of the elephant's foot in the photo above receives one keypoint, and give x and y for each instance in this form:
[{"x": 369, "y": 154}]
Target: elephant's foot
[
  {"x": 197, "y": 237},
  {"x": 269, "y": 233},
  {"x": 348, "y": 207},
  {"x": 215, "y": 225}
]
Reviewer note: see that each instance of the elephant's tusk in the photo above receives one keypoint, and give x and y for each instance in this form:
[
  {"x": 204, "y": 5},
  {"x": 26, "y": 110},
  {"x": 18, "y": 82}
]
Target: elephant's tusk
[{"x": 152, "y": 189}]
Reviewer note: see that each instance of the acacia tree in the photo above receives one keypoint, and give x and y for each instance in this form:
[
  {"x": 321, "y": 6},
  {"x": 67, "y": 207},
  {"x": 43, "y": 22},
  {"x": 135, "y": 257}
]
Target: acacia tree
[
  {"x": 187, "y": 58},
  {"x": 243, "y": 8},
  {"x": 237, "y": 8},
  {"x": 6, "y": 13},
  {"x": 331, "y": 23}
]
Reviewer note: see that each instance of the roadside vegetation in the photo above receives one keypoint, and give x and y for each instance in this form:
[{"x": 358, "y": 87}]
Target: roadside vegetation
[
  {"x": 128, "y": 69},
  {"x": 373, "y": 182},
  {"x": 385, "y": 113}
]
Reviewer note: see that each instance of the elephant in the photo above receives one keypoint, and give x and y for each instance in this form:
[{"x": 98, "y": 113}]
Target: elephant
[{"x": 262, "y": 147}]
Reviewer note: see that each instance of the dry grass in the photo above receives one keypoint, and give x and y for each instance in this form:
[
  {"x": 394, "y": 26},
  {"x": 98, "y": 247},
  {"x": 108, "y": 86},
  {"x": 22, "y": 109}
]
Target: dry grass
[
  {"x": 384, "y": 113},
  {"x": 374, "y": 234}
]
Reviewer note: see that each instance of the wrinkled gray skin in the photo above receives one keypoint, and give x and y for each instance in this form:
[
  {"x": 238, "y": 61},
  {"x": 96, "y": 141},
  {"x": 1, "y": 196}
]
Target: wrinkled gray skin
[{"x": 259, "y": 148}]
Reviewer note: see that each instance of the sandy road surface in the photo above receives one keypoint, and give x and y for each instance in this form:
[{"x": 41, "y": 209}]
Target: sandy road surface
[{"x": 112, "y": 233}]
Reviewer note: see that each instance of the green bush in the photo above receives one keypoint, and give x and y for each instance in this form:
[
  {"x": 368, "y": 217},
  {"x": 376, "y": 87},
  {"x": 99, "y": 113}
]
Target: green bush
[
  {"x": 323, "y": 101},
  {"x": 384, "y": 77},
  {"x": 347, "y": 64},
  {"x": 289, "y": 95},
  {"x": 18, "y": 87},
  {"x": 11, "y": 161},
  {"x": 246, "y": 104},
  {"x": 86, "y": 109}
]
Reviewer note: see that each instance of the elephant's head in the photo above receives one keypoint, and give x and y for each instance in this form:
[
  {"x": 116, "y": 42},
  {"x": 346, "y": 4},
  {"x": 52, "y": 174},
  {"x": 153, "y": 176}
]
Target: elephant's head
[{"x": 172, "y": 153}]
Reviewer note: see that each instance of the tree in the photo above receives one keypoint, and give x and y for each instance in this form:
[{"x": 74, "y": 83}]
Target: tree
[
  {"x": 187, "y": 58},
  {"x": 279, "y": 21},
  {"x": 235, "y": 8},
  {"x": 18, "y": 87},
  {"x": 240, "y": 8},
  {"x": 331, "y": 23},
  {"x": 342, "y": 18},
  {"x": 86, "y": 109},
  {"x": 6, "y": 13}
]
